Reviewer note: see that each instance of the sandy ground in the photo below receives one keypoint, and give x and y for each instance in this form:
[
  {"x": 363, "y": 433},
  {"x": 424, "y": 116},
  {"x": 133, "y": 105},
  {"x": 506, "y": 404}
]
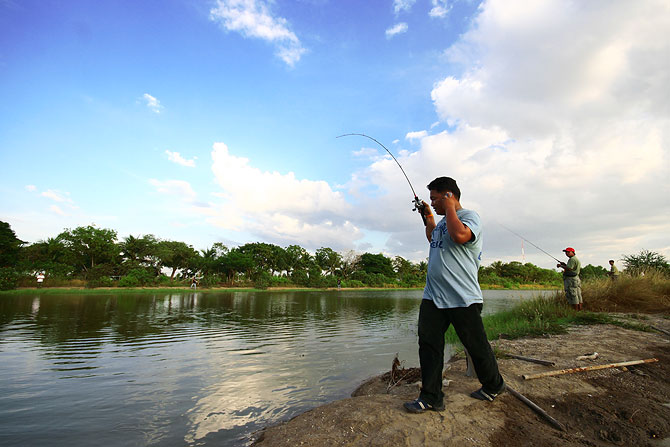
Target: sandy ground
[{"x": 617, "y": 406}]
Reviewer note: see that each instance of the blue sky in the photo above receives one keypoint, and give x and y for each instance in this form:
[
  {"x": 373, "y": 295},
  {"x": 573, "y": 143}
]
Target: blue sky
[{"x": 215, "y": 121}]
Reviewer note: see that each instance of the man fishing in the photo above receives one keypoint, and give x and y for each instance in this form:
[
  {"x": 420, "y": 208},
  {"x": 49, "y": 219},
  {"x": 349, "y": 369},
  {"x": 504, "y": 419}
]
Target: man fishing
[
  {"x": 571, "y": 282},
  {"x": 452, "y": 296}
]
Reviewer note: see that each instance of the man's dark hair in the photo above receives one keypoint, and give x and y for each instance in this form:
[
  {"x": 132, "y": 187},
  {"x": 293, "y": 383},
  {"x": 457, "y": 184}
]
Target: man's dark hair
[{"x": 444, "y": 184}]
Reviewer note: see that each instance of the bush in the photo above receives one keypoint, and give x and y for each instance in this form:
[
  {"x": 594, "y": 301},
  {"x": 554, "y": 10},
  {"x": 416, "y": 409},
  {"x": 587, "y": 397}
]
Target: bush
[
  {"x": 103, "y": 281},
  {"x": 136, "y": 277},
  {"x": 280, "y": 281},
  {"x": 9, "y": 278},
  {"x": 263, "y": 281},
  {"x": 209, "y": 281},
  {"x": 299, "y": 277}
]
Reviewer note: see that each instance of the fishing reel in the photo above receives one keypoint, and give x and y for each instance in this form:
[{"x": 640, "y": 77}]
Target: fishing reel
[{"x": 419, "y": 206}]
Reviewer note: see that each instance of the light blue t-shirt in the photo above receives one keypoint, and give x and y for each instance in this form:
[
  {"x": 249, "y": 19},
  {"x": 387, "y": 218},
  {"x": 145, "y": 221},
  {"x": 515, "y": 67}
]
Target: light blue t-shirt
[{"x": 452, "y": 268}]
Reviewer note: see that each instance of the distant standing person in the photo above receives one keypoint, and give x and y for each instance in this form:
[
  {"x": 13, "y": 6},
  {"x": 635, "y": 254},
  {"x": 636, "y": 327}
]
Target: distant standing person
[
  {"x": 194, "y": 283},
  {"x": 614, "y": 272},
  {"x": 571, "y": 282},
  {"x": 40, "y": 279},
  {"x": 452, "y": 296}
]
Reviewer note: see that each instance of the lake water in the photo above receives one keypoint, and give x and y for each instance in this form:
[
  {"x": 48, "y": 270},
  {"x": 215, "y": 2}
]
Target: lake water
[{"x": 192, "y": 369}]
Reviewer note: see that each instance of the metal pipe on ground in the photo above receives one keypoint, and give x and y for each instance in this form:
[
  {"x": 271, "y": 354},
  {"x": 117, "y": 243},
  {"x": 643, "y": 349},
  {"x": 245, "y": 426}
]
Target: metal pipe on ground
[
  {"x": 532, "y": 360},
  {"x": 533, "y": 406}
]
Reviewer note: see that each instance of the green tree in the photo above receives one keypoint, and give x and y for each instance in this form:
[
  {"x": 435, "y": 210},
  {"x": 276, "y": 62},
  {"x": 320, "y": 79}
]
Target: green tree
[
  {"x": 370, "y": 263},
  {"x": 140, "y": 250},
  {"x": 176, "y": 255},
  {"x": 86, "y": 247},
  {"x": 592, "y": 271},
  {"x": 297, "y": 259},
  {"x": 646, "y": 261},
  {"x": 10, "y": 246},
  {"x": 49, "y": 256},
  {"x": 328, "y": 259},
  {"x": 267, "y": 257},
  {"x": 234, "y": 262}
]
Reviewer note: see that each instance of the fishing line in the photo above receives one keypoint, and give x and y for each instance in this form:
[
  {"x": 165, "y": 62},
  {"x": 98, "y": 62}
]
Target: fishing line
[
  {"x": 418, "y": 204},
  {"x": 517, "y": 234}
]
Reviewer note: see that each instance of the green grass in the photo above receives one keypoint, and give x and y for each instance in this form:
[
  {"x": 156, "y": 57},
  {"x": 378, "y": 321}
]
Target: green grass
[
  {"x": 117, "y": 291},
  {"x": 551, "y": 315}
]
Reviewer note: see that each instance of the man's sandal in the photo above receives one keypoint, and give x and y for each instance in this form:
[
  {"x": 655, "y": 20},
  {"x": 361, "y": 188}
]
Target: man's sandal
[{"x": 420, "y": 405}]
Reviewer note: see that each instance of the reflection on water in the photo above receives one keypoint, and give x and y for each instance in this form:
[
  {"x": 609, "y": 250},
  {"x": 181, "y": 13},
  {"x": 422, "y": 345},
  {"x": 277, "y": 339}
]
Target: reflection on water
[{"x": 190, "y": 369}]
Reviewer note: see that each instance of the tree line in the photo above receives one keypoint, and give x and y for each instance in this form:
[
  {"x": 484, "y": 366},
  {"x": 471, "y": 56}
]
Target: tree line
[{"x": 96, "y": 257}]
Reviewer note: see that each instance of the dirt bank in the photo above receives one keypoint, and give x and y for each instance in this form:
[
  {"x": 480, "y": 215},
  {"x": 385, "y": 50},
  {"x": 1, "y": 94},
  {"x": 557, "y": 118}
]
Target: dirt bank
[{"x": 618, "y": 406}]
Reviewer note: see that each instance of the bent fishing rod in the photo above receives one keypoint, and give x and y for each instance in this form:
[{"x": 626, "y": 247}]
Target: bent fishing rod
[
  {"x": 418, "y": 203},
  {"x": 523, "y": 238}
]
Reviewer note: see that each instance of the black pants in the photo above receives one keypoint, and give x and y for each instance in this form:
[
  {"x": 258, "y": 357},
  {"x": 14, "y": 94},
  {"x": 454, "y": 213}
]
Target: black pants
[{"x": 467, "y": 321}]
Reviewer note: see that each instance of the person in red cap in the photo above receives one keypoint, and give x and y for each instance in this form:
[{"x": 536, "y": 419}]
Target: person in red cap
[{"x": 571, "y": 282}]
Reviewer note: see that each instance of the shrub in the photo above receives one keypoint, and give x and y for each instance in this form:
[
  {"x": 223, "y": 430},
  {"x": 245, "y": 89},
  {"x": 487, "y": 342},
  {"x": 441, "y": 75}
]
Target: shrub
[
  {"x": 103, "y": 281},
  {"x": 136, "y": 277},
  {"x": 9, "y": 278},
  {"x": 263, "y": 280},
  {"x": 280, "y": 281},
  {"x": 352, "y": 283},
  {"x": 129, "y": 281},
  {"x": 209, "y": 281}
]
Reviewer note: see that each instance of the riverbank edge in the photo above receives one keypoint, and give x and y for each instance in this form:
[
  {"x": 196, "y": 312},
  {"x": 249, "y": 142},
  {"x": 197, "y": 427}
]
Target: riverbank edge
[
  {"x": 135, "y": 290},
  {"x": 352, "y": 421}
]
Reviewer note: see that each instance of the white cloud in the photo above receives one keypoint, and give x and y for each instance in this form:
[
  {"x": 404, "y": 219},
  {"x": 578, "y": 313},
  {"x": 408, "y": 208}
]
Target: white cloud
[
  {"x": 56, "y": 209},
  {"x": 402, "y": 5},
  {"x": 152, "y": 103},
  {"x": 177, "y": 189},
  {"x": 562, "y": 122},
  {"x": 366, "y": 152},
  {"x": 559, "y": 129},
  {"x": 279, "y": 207},
  {"x": 176, "y": 157},
  {"x": 396, "y": 29},
  {"x": 253, "y": 18},
  {"x": 440, "y": 9},
  {"x": 56, "y": 196},
  {"x": 416, "y": 135},
  {"x": 31, "y": 188}
]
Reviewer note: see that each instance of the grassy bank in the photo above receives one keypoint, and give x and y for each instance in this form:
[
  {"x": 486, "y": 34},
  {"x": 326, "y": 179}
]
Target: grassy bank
[
  {"x": 116, "y": 290},
  {"x": 139, "y": 290},
  {"x": 552, "y": 315}
]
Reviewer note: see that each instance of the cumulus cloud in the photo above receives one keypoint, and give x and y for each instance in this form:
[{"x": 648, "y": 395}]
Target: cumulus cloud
[
  {"x": 279, "y": 207},
  {"x": 152, "y": 103},
  {"x": 176, "y": 157},
  {"x": 396, "y": 29},
  {"x": 558, "y": 128},
  {"x": 254, "y": 19},
  {"x": 561, "y": 117}
]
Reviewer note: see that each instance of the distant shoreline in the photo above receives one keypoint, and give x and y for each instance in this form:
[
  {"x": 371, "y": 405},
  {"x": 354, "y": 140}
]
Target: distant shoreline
[{"x": 124, "y": 290}]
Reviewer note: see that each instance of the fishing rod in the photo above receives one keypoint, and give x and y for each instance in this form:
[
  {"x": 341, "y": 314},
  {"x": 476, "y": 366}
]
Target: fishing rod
[
  {"x": 517, "y": 234},
  {"x": 418, "y": 203}
]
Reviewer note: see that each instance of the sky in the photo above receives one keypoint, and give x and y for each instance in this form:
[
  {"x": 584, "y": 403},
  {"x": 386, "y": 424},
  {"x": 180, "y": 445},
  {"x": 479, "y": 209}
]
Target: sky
[{"x": 217, "y": 121}]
